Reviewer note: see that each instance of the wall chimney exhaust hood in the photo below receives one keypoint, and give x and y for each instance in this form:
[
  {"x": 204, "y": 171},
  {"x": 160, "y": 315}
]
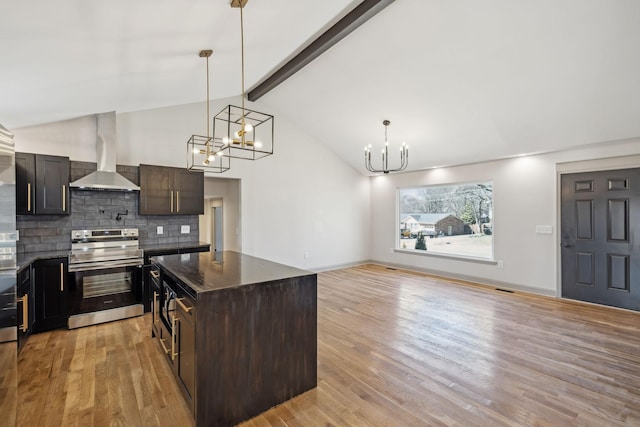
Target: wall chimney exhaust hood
[{"x": 106, "y": 177}]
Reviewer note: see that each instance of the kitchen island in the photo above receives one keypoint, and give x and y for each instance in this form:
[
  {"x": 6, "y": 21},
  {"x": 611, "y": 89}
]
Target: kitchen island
[{"x": 239, "y": 332}]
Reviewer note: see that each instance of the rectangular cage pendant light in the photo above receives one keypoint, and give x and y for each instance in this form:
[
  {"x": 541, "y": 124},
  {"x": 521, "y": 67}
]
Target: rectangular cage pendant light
[
  {"x": 251, "y": 141},
  {"x": 203, "y": 153}
]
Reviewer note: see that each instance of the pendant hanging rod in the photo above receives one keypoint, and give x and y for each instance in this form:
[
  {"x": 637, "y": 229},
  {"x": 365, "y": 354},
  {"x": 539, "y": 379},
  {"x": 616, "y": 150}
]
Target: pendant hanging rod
[
  {"x": 242, "y": 58},
  {"x": 206, "y": 54}
]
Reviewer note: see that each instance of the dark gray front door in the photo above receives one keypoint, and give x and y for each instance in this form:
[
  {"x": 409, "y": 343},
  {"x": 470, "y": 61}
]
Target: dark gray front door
[{"x": 600, "y": 231}]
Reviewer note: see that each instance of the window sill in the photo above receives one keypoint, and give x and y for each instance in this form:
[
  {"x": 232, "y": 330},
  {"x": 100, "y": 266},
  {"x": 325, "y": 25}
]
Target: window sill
[{"x": 448, "y": 256}]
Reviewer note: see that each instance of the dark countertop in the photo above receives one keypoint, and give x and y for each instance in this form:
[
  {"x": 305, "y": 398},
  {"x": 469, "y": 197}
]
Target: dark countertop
[
  {"x": 205, "y": 271},
  {"x": 25, "y": 258},
  {"x": 162, "y": 247}
]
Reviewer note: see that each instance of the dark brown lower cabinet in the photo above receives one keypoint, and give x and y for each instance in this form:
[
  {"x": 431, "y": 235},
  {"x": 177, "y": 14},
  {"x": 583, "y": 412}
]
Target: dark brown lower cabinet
[
  {"x": 25, "y": 306},
  {"x": 50, "y": 294}
]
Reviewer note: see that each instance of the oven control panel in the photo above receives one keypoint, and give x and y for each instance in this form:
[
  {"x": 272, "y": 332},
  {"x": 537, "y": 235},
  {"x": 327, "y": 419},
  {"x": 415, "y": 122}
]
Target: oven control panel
[{"x": 110, "y": 234}]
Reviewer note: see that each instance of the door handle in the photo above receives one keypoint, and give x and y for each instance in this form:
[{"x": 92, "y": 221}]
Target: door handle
[
  {"x": 177, "y": 200},
  {"x": 64, "y": 198},
  {"x": 565, "y": 245},
  {"x": 61, "y": 277},
  {"x": 155, "y": 308},
  {"x": 173, "y": 337},
  {"x": 172, "y": 201},
  {"x": 25, "y": 313},
  {"x": 28, "y": 197}
]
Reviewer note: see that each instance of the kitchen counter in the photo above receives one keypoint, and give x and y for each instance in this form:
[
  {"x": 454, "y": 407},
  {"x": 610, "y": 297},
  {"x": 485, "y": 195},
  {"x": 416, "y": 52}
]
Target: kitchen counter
[
  {"x": 150, "y": 249},
  {"x": 24, "y": 259},
  {"x": 205, "y": 272},
  {"x": 242, "y": 334}
]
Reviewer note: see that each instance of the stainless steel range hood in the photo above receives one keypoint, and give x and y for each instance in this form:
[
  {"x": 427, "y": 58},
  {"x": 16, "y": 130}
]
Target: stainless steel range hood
[{"x": 106, "y": 177}]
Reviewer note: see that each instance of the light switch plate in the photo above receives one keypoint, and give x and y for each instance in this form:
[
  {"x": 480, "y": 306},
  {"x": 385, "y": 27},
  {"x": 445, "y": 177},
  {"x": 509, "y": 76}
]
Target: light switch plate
[
  {"x": 185, "y": 229},
  {"x": 160, "y": 229},
  {"x": 544, "y": 229}
]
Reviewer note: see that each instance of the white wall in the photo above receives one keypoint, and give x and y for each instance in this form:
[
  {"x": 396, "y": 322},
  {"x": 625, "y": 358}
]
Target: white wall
[
  {"x": 302, "y": 200},
  {"x": 525, "y": 195}
]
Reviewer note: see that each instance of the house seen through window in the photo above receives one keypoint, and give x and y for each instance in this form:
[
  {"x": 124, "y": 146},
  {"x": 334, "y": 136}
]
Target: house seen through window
[{"x": 455, "y": 219}]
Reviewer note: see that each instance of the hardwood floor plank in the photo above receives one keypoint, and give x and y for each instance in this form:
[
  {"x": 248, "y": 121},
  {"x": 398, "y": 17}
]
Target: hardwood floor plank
[{"x": 395, "y": 348}]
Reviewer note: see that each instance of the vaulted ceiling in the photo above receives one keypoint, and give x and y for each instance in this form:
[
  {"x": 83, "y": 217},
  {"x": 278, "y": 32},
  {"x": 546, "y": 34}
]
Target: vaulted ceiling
[{"x": 461, "y": 81}]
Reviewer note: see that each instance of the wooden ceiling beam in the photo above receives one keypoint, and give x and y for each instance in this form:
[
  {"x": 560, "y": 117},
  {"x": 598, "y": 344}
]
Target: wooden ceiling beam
[{"x": 358, "y": 16}]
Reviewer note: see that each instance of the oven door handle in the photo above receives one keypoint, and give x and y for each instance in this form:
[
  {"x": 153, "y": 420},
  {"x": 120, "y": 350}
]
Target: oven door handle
[{"x": 103, "y": 265}]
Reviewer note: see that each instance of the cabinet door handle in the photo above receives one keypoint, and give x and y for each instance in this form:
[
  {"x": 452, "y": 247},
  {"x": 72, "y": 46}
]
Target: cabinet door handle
[
  {"x": 183, "y": 305},
  {"x": 171, "y": 200},
  {"x": 173, "y": 337},
  {"x": 64, "y": 198},
  {"x": 155, "y": 274},
  {"x": 28, "y": 197},
  {"x": 155, "y": 308},
  {"x": 178, "y": 200},
  {"x": 25, "y": 313},
  {"x": 61, "y": 277}
]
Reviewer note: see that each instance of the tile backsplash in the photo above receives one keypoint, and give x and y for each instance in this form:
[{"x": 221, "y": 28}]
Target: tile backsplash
[{"x": 99, "y": 209}]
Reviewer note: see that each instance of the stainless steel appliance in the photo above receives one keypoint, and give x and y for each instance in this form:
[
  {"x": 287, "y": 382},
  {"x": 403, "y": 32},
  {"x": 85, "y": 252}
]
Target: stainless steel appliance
[
  {"x": 8, "y": 302},
  {"x": 8, "y": 311},
  {"x": 105, "y": 276},
  {"x": 106, "y": 177}
]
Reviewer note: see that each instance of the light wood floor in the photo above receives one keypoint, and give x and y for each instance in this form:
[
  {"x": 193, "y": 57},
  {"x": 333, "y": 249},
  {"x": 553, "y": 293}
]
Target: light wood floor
[{"x": 394, "y": 349}]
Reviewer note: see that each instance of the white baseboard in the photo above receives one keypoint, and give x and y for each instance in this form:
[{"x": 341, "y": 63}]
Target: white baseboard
[{"x": 481, "y": 281}]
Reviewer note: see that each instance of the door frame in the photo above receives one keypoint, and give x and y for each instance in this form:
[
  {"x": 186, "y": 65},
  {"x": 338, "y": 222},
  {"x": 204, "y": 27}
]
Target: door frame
[{"x": 581, "y": 166}]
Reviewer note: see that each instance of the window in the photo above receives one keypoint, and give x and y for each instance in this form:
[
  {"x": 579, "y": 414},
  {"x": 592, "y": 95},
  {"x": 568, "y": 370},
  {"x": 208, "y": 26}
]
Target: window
[{"x": 455, "y": 220}]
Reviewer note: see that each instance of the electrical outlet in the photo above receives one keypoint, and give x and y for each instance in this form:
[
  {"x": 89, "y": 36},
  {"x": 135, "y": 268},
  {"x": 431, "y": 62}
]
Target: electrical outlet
[
  {"x": 306, "y": 255},
  {"x": 159, "y": 229},
  {"x": 185, "y": 229},
  {"x": 500, "y": 264}
]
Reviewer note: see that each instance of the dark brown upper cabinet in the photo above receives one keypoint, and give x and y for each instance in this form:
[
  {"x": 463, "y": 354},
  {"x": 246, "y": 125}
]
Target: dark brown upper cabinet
[
  {"x": 171, "y": 191},
  {"x": 42, "y": 184}
]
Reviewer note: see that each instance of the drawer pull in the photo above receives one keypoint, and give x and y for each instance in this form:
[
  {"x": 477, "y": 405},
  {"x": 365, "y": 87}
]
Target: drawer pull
[
  {"x": 155, "y": 274},
  {"x": 25, "y": 313},
  {"x": 164, "y": 347},
  {"x": 183, "y": 306}
]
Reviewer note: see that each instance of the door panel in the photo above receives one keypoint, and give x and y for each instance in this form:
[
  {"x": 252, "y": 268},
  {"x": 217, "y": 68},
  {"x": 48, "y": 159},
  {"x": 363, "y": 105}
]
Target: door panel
[
  {"x": 600, "y": 222},
  {"x": 52, "y": 185}
]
